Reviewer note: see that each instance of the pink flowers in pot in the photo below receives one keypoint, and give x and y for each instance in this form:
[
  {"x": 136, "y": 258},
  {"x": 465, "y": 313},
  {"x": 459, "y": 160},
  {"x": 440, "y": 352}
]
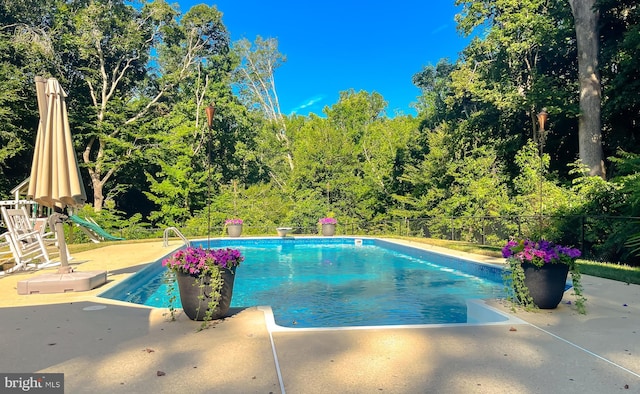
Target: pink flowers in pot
[
  {"x": 197, "y": 261},
  {"x": 233, "y": 221},
  {"x": 327, "y": 221},
  {"x": 540, "y": 252}
]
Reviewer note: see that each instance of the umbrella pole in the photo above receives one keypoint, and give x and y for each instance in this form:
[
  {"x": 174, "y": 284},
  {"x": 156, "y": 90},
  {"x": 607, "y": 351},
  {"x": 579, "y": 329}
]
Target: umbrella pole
[{"x": 62, "y": 244}]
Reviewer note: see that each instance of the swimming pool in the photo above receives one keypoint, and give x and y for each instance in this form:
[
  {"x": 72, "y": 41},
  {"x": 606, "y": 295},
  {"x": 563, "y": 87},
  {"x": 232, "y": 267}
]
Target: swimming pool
[{"x": 338, "y": 282}]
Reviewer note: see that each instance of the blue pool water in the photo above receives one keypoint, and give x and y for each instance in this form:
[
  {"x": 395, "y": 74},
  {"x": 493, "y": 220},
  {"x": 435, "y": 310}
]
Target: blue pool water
[{"x": 334, "y": 282}]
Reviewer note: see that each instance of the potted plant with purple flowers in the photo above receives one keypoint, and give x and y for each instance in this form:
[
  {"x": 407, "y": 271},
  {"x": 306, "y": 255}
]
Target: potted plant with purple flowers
[
  {"x": 234, "y": 227},
  {"x": 328, "y": 226},
  {"x": 205, "y": 280},
  {"x": 537, "y": 273}
]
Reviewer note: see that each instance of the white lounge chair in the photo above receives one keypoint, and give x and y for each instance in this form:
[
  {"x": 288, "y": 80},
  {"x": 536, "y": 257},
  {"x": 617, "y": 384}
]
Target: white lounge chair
[
  {"x": 25, "y": 242},
  {"x": 41, "y": 224}
]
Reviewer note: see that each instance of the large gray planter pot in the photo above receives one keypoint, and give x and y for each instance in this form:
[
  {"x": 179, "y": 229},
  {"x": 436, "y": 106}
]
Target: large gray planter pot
[
  {"x": 328, "y": 229},
  {"x": 234, "y": 230},
  {"x": 192, "y": 304},
  {"x": 546, "y": 284}
]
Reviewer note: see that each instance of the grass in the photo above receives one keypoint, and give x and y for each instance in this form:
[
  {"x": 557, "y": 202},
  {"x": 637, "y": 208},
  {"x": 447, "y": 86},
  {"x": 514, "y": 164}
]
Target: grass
[
  {"x": 619, "y": 272},
  {"x": 484, "y": 250}
]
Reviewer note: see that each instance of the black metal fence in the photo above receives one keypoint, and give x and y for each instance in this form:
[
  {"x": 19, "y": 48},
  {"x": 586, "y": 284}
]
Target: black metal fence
[{"x": 600, "y": 238}]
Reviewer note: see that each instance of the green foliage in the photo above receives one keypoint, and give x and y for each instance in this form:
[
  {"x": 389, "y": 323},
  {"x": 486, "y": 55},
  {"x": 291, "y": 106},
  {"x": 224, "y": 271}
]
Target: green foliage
[
  {"x": 328, "y": 152},
  {"x": 620, "y": 59},
  {"x": 427, "y": 176},
  {"x": 23, "y": 54},
  {"x": 263, "y": 207},
  {"x": 453, "y": 181},
  {"x": 517, "y": 291},
  {"x": 536, "y": 194},
  {"x": 12, "y": 130},
  {"x": 435, "y": 84},
  {"x": 627, "y": 165},
  {"x": 593, "y": 217},
  {"x": 169, "y": 278}
]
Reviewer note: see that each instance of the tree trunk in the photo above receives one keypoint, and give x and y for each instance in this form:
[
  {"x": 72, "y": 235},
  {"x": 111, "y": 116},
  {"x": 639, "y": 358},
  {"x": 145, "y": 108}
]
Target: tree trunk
[
  {"x": 98, "y": 196},
  {"x": 589, "y": 126},
  {"x": 98, "y": 178}
]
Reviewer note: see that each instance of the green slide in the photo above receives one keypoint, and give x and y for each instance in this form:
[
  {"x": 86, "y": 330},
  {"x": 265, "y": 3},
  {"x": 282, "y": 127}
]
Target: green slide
[{"x": 94, "y": 232}]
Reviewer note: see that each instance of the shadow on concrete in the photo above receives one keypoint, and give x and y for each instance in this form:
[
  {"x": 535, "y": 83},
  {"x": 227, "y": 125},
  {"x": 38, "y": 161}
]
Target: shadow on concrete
[
  {"x": 107, "y": 348},
  {"x": 441, "y": 360}
]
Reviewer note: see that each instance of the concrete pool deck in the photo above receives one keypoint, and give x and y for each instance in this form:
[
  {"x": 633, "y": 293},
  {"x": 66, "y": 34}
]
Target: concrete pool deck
[{"x": 105, "y": 346}]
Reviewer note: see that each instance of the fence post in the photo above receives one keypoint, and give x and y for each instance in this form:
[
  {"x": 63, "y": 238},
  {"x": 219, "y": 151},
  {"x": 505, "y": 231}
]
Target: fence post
[
  {"x": 452, "y": 229},
  {"x": 582, "y": 217}
]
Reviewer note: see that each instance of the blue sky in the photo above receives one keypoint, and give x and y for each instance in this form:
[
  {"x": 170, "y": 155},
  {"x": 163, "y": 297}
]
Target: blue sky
[{"x": 332, "y": 46}]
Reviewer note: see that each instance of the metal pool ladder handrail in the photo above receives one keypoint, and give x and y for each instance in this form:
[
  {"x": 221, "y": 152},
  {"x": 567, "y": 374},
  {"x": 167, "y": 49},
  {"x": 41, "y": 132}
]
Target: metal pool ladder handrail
[{"x": 177, "y": 232}]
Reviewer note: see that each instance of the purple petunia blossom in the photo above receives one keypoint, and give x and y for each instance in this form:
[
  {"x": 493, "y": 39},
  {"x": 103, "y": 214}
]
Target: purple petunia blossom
[
  {"x": 198, "y": 260},
  {"x": 540, "y": 252}
]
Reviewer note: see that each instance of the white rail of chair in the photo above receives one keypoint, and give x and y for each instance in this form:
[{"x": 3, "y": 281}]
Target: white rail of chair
[{"x": 177, "y": 232}]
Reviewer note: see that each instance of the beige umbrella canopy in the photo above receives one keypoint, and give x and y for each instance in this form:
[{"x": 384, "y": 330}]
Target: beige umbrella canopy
[{"x": 55, "y": 175}]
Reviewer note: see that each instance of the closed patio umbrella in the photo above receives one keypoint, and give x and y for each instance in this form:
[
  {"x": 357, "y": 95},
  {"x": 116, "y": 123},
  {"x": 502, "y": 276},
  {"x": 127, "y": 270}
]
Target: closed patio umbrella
[{"x": 55, "y": 175}]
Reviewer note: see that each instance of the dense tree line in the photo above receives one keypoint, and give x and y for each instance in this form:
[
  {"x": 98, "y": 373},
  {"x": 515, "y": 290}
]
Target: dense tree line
[{"x": 139, "y": 77}]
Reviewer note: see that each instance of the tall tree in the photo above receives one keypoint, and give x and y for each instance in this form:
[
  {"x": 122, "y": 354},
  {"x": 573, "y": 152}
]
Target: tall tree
[
  {"x": 347, "y": 160},
  {"x": 24, "y": 52},
  {"x": 502, "y": 68},
  {"x": 585, "y": 15},
  {"x": 255, "y": 78},
  {"x": 112, "y": 42},
  {"x": 435, "y": 85},
  {"x": 201, "y": 158},
  {"x": 522, "y": 62},
  {"x": 115, "y": 43}
]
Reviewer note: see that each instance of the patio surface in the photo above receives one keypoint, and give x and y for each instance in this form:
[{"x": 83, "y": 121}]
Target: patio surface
[{"x": 105, "y": 346}]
